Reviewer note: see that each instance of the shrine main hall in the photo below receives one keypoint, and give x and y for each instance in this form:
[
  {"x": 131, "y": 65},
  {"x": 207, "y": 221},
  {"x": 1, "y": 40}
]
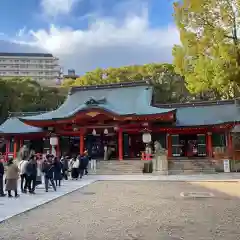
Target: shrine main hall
[{"x": 117, "y": 115}]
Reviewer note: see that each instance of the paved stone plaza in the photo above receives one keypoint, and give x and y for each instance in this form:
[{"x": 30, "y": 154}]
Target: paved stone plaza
[
  {"x": 134, "y": 210},
  {"x": 12, "y": 207}
]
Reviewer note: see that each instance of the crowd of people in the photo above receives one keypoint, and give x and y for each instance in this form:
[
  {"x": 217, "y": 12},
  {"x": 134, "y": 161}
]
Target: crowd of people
[{"x": 30, "y": 170}]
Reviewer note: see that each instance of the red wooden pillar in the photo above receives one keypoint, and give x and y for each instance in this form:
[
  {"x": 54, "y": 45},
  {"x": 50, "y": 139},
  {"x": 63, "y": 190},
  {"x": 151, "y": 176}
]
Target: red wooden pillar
[
  {"x": 209, "y": 145},
  {"x": 15, "y": 148},
  {"x": 229, "y": 143},
  {"x": 81, "y": 143},
  {"x": 120, "y": 144},
  {"x": 169, "y": 145}
]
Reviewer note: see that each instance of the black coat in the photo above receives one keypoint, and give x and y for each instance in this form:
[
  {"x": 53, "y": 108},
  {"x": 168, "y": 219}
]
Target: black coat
[
  {"x": 84, "y": 162},
  {"x": 1, "y": 169},
  {"x": 31, "y": 169},
  {"x": 48, "y": 169},
  {"x": 57, "y": 169},
  {"x": 64, "y": 163}
]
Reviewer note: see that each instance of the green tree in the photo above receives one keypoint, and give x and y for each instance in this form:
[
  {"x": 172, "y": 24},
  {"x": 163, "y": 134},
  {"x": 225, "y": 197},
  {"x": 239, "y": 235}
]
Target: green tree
[
  {"x": 209, "y": 54},
  {"x": 19, "y": 94}
]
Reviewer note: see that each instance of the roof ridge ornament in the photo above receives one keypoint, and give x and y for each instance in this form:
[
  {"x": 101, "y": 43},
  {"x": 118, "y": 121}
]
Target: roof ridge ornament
[{"x": 94, "y": 101}]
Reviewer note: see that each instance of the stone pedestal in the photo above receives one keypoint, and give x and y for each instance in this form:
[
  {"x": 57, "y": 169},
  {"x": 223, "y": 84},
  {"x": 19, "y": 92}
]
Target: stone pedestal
[{"x": 160, "y": 165}]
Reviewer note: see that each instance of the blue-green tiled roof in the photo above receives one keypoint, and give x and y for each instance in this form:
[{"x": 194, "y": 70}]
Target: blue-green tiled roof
[
  {"x": 186, "y": 116},
  {"x": 207, "y": 115},
  {"x": 119, "y": 100},
  {"x": 15, "y": 126}
]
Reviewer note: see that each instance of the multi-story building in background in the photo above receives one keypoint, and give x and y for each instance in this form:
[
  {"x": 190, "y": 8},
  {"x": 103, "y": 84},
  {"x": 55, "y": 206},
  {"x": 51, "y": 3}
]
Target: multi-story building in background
[
  {"x": 41, "y": 67},
  {"x": 71, "y": 74}
]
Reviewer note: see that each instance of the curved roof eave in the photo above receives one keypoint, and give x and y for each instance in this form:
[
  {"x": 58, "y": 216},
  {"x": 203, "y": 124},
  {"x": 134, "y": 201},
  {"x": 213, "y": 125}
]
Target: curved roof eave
[
  {"x": 14, "y": 126},
  {"x": 97, "y": 107}
]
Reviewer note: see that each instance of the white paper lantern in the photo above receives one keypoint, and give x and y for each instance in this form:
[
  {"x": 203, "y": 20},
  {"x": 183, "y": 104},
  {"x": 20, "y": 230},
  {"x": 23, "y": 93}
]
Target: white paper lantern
[
  {"x": 146, "y": 137},
  {"x": 53, "y": 141},
  {"x": 116, "y": 128},
  {"x": 94, "y": 132},
  {"x": 105, "y": 131}
]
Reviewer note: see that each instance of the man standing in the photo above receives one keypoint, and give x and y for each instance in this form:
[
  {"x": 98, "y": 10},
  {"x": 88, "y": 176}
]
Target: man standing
[
  {"x": 31, "y": 171},
  {"x": 1, "y": 178},
  {"x": 48, "y": 169},
  {"x": 84, "y": 164},
  {"x": 65, "y": 161}
]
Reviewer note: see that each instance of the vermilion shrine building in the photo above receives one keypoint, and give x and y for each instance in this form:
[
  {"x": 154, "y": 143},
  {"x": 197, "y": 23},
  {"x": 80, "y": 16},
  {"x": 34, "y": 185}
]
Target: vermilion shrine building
[{"x": 117, "y": 115}]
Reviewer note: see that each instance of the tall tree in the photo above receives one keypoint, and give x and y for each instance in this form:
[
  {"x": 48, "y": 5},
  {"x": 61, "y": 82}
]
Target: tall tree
[
  {"x": 19, "y": 94},
  {"x": 209, "y": 56}
]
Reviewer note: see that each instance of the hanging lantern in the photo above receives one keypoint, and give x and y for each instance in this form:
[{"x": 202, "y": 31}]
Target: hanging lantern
[
  {"x": 53, "y": 141},
  {"x": 75, "y": 127},
  {"x": 105, "y": 131},
  {"x": 116, "y": 128},
  {"x": 146, "y": 137},
  {"x": 94, "y": 132}
]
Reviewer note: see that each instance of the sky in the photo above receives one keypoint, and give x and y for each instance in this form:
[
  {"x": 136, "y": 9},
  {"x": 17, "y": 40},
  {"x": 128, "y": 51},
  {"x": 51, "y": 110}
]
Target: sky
[{"x": 87, "y": 34}]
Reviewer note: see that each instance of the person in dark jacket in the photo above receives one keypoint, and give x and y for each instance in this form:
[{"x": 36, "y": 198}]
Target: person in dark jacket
[
  {"x": 31, "y": 172},
  {"x": 2, "y": 194},
  {"x": 48, "y": 170},
  {"x": 65, "y": 161},
  {"x": 57, "y": 172},
  {"x": 83, "y": 164}
]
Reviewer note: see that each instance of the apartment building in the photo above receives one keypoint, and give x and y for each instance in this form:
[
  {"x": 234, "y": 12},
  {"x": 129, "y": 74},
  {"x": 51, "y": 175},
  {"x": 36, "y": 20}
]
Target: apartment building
[
  {"x": 41, "y": 67},
  {"x": 71, "y": 74}
]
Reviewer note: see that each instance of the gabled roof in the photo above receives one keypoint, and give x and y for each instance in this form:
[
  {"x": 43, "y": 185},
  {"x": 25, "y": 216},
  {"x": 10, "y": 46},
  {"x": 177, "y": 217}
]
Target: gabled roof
[
  {"x": 207, "y": 115},
  {"x": 15, "y": 126},
  {"x": 206, "y": 112},
  {"x": 119, "y": 99},
  {"x": 186, "y": 117}
]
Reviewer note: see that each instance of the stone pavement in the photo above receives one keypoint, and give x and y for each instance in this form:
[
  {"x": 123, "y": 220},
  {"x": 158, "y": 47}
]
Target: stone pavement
[
  {"x": 131, "y": 210},
  {"x": 12, "y": 207}
]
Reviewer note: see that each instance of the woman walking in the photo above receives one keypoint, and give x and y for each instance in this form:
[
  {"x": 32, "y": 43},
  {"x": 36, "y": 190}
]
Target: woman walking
[{"x": 12, "y": 178}]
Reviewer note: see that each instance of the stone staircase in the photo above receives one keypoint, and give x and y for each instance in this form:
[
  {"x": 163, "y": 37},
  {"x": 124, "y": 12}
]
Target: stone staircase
[
  {"x": 116, "y": 167},
  {"x": 190, "y": 166},
  {"x": 134, "y": 167}
]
